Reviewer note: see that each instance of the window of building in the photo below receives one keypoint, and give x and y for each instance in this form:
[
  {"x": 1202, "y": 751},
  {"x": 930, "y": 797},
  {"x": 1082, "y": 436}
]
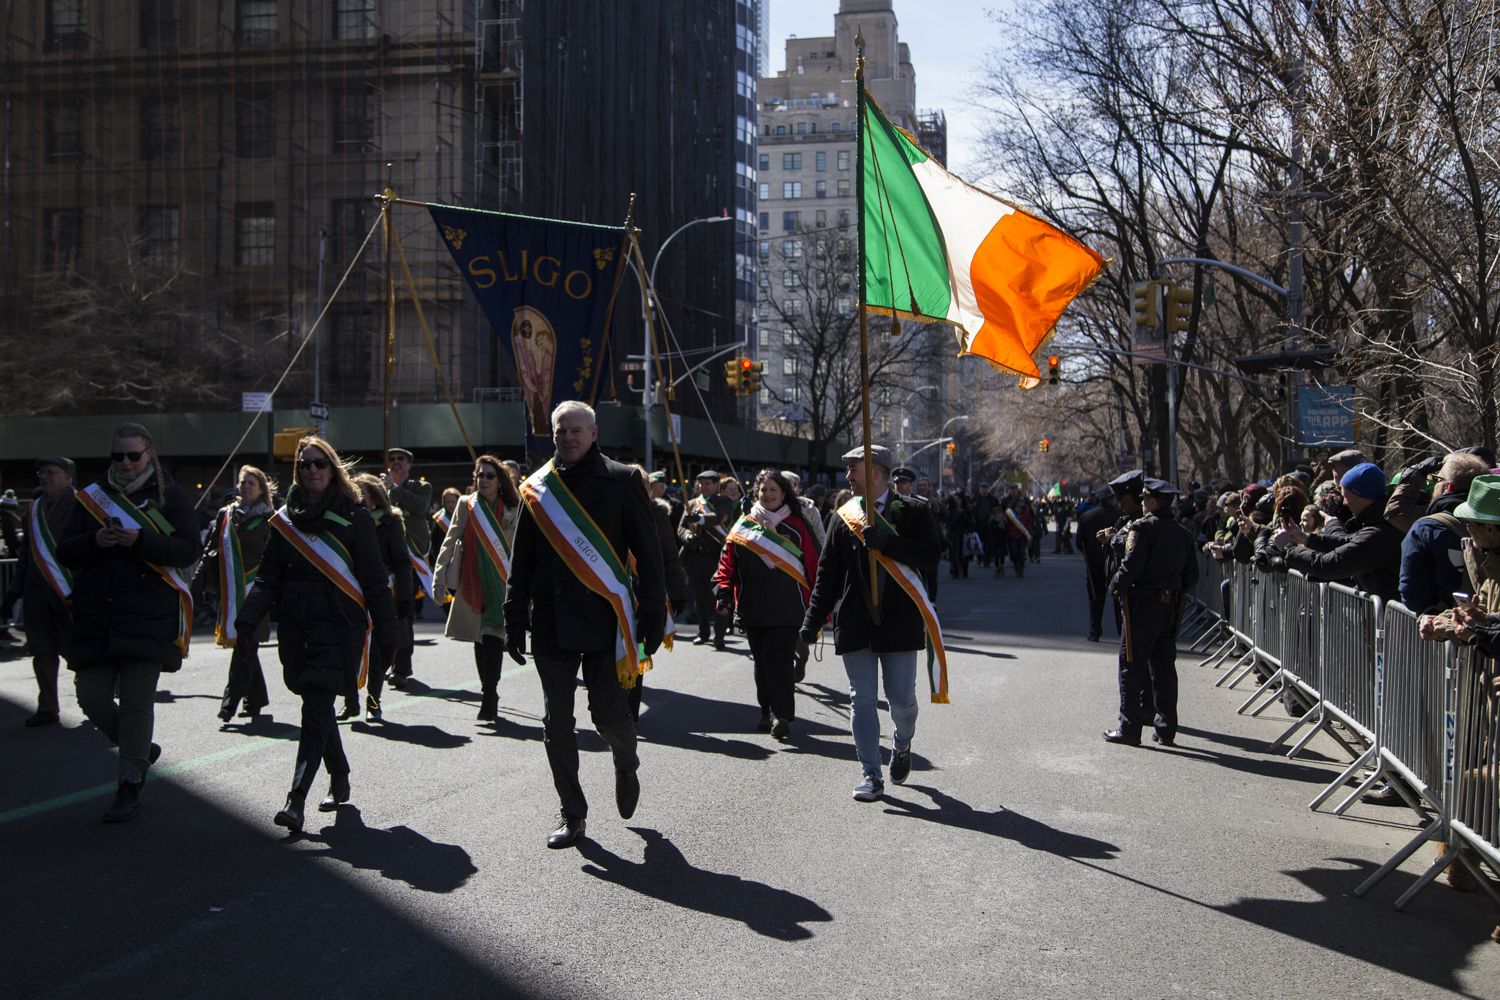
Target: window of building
[
  {"x": 822, "y": 188},
  {"x": 765, "y": 161},
  {"x": 764, "y": 279},
  {"x": 791, "y": 161},
  {"x": 791, "y": 248},
  {"x": 789, "y": 337},
  {"x": 791, "y": 189},
  {"x": 789, "y": 367},
  {"x": 351, "y": 348},
  {"x": 790, "y": 221},
  {"x": 844, "y": 305},
  {"x": 63, "y": 139},
  {"x": 763, "y": 338},
  {"x": 159, "y": 232},
  {"x": 765, "y": 191},
  {"x": 822, "y": 217},
  {"x": 781, "y": 130},
  {"x": 67, "y": 26},
  {"x": 843, "y": 188},
  {"x": 255, "y": 124},
  {"x": 765, "y": 249},
  {"x": 765, "y": 395},
  {"x": 160, "y": 24},
  {"x": 843, "y": 217},
  {"x": 255, "y": 21},
  {"x": 161, "y": 127},
  {"x": 255, "y": 234},
  {"x": 353, "y": 121},
  {"x": 765, "y": 222},
  {"x": 351, "y": 223},
  {"x": 822, "y": 162},
  {"x": 802, "y": 128},
  {"x": 354, "y": 19},
  {"x": 791, "y": 279},
  {"x": 843, "y": 159},
  {"x": 838, "y": 126},
  {"x": 62, "y": 234}
]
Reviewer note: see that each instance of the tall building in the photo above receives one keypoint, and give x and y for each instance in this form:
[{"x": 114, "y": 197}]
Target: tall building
[
  {"x": 220, "y": 151},
  {"x": 807, "y": 220}
]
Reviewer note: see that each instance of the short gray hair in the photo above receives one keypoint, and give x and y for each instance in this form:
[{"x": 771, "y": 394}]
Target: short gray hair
[{"x": 573, "y": 406}]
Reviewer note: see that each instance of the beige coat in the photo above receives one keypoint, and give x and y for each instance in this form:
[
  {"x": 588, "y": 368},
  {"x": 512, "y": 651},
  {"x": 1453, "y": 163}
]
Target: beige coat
[{"x": 463, "y": 621}]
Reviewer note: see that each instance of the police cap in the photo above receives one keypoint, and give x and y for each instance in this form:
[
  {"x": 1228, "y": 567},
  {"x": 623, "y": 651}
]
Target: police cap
[{"x": 1131, "y": 482}]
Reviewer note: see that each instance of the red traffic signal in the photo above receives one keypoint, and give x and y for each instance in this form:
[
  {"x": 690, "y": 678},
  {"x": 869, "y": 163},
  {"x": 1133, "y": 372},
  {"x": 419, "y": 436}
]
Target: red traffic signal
[{"x": 745, "y": 364}]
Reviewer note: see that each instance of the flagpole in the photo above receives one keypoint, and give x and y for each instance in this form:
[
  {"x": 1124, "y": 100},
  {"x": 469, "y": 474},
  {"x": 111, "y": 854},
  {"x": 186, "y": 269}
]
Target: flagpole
[
  {"x": 864, "y": 324},
  {"x": 390, "y": 326}
]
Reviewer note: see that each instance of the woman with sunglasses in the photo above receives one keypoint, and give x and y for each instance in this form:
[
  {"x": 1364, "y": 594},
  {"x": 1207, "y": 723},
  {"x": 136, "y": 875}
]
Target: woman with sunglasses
[
  {"x": 390, "y": 533},
  {"x": 233, "y": 551},
  {"x": 473, "y": 564},
  {"x": 129, "y": 544},
  {"x": 323, "y": 573}
]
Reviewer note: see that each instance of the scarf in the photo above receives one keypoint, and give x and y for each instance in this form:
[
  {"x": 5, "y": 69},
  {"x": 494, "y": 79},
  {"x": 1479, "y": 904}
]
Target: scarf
[
  {"x": 772, "y": 520},
  {"x": 305, "y": 516},
  {"x": 130, "y": 487},
  {"x": 479, "y": 585}
]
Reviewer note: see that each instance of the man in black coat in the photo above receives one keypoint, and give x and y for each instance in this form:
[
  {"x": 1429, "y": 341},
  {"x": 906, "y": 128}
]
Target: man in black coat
[
  {"x": 703, "y": 529},
  {"x": 1367, "y": 553},
  {"x": 571, "y": 626},
  {"x": 1095, "y": 554},
  {"x": 1158, "y": 569},
  {"x": 873, "y": 644},
  {"x": 48, "y": 620},
  {"x": 413, "y": 497}
]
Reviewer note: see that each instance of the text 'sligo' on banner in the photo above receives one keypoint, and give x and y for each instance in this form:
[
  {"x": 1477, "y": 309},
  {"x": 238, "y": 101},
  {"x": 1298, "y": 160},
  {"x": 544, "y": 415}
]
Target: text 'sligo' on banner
[{"x": 545, "y": 286}]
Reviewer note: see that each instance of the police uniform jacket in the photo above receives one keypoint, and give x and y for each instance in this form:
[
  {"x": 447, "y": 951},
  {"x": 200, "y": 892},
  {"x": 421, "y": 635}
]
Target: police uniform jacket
[
  {"x": 48, "y": 621},
  {"x": 1090, "y": 523},
  {"x": 122, "y": 608},
  {"x": 842, "y": 587},
  {"x": 1159, "y": 565},
  {"x": 545, "y": 598}
]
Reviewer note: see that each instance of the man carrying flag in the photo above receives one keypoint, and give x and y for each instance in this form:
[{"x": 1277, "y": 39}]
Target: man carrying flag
[
  {"x": 883, "y": 640},
  {"x": 585, "y": 516},
  {"x": 413, "y": 497}
]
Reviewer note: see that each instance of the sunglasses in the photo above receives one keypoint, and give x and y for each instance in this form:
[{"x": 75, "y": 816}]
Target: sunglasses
[
  {"x": 120, "y": 456},
  {"x": 486, "y": 475},
  {"x": 314, "y": 463}
]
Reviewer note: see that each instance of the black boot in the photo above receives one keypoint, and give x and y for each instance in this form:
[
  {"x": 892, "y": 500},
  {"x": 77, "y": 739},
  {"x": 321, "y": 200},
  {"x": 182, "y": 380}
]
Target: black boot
[
  {"x": 338, "y": 793},
  {"x": 290, "y": 815},
  {"x": 126, "y": 804}
]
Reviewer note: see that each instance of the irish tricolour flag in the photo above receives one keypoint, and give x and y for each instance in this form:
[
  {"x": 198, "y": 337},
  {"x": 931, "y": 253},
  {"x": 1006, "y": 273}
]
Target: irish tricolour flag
[{"x": 937, "y": 248}]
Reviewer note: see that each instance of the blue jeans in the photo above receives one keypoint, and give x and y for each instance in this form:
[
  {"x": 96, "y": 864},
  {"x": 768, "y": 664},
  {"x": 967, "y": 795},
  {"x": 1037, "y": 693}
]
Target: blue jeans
[{"x": 900, "y": 669}]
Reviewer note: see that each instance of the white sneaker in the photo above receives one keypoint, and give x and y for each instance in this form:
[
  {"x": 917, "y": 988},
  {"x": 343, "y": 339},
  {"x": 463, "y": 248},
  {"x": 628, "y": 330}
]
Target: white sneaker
[{"x": 869, "y": 790}]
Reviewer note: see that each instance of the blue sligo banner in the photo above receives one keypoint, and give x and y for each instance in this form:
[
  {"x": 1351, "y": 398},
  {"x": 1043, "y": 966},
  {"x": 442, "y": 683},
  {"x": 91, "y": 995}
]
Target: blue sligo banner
[{"x": 546, "y": 288}]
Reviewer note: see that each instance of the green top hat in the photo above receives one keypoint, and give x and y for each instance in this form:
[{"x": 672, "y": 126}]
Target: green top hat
[{"x": 1483, "y": 504}]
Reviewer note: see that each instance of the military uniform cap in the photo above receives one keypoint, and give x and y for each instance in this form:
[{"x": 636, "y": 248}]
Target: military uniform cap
[{"x": 880, "y": 454}]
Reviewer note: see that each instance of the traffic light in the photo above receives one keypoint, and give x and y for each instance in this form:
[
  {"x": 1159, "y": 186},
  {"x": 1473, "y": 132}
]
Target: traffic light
[
  {"x": 750, "y": 373},
  {"x": 732, "y": 374},
  {"x": 284, "y": 444},
  {"x": 1179, "y": 308},
  {"x": 1043, "y": 445},
  {"x": 952, "y": 447},
  {"x": 1143, "y": 303},
  {"x": 1054, "y": 369}
]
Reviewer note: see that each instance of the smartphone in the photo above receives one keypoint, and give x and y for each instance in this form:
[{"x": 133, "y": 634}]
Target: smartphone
[
  {"x": 1459, "y": 597},
  {"x": 114, "y": 522}
]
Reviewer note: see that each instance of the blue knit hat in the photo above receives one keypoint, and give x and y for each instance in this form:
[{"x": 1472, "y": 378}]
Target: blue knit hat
[{"x": 1365, "y": 480}]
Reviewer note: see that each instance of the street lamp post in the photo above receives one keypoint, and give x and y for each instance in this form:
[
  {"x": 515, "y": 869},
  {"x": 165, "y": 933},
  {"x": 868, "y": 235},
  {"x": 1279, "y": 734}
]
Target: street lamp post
[
  {"x": 901, "y": 445},
  {"x": 651, "y": 302},
  {"x": 950, "y": 422}
]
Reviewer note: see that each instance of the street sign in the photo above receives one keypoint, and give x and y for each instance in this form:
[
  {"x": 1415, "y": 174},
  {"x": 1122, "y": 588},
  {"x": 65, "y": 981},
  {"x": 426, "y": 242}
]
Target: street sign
[
  {"x": 632, "y": 366},
  {"x": 1325, "y": 415},
  {"x": 254, "y": 402},
  {"x": 318, "y": 411}
]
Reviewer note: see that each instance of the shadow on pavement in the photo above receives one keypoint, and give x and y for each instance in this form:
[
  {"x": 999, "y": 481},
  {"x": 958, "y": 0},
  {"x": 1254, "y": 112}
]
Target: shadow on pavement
[
  {"x": 667, "y": 875},
  {"x": 428, "y": 736},
  {"x": 677, "y": 719},
  {"x": 512, "y": 728},
  {"x": 263, "y": 725},
  {"x": 1002, "y": 823},
  {"x": 400, "y": 853},
  {"x": 1254, "y": 745},
  {"x": 1270, "y": 767}
]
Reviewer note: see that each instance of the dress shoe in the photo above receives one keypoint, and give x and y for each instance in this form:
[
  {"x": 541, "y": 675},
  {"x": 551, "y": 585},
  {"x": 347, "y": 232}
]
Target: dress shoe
[
  {"x": 489, "y": 708},
  {"x": 290, "y": 815},
  {"x": 251, "y": 712},
  {"x": 764, "y": 725},
  {"x": 900, "y": 766},
  {"x": 226, "y": 714},
  {"x": 41, "y": 719},
  {"x": 1120, "y": 736},
  {"x": 372, "y": 708},
  {"x": 1094, "y": 637},
  {"x": 338, "y": 793},
  {"x": 349, "y": 711},
  {"x": 719, "y": 645},
  {"x": 700, "y": 640},
  {"x": 154, "y": 754},
  {"x": 568, "y": 833},
  {"x": 781, "y": 730},
  {"x": 126, "y": 804},
  {"x": 1163, "y": 740},
  {"x": 627, "y": 792}
]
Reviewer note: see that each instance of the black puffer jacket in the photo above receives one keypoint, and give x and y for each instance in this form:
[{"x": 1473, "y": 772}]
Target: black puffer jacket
[
  {"x": 1366, "y": 553},
  {"x": 320, "y": 632},
  {"x": 390, "y": 533},
  {"x": 122, "y": 608}
]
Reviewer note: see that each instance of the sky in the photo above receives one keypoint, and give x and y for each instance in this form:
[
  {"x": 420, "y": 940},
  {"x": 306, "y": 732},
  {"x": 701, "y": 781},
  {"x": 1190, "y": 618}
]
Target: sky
[{"x": 948, "y": 40}]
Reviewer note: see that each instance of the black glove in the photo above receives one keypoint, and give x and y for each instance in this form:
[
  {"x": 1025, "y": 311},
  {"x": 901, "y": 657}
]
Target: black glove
[
  {"x": 876, "y": 537},
  {"x": 406, "y": 609},
  {"x": 807, "y": 636},
  {"x": 1426, "y": 467},
  {"x": 650, "y": 628},
  {"x": 515, "y": 643}
]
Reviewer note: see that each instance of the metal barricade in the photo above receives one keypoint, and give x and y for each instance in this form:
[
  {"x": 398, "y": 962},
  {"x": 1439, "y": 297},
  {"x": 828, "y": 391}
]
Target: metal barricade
[
  {"x": 1473, "y": 766},
  {"x": 1242, "y": 622},
  {"x": 1291, "y": 619},
  {"x": 1206, "y": 599},
  {"x": 1350, "y": 646},
  {"x": 1220, "y": 575}
]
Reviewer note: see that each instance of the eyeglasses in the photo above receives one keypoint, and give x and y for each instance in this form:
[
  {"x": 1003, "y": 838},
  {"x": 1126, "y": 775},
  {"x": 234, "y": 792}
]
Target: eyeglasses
[
  {"x": 120, "y": 456},
  {"x": 314, "y": 463},
  {"x": 486, "y": 475}
]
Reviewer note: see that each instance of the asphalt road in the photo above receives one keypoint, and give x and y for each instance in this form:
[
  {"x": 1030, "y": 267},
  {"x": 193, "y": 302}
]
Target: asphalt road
[{"x": 1025, "y": 858}]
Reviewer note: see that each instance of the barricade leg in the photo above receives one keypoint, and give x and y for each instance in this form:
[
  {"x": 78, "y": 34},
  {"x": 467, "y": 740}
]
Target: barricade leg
[
  {"x": 1231, "y": 678},
  {"x": 1427, "y": 877},
  {"x": 1213, "y": 631},
  {"x": 1307, "y": 717},
  {"x": 1433, "y": 831},
  {"x": 1219, "y": 655},
  {"x": 1343, "y": 778},
  {"x": 1280, "y": 687}
]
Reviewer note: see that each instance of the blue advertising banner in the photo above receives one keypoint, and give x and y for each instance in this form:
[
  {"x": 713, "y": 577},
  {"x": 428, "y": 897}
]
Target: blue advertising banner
[
  {"x": 1325, "y": 415},
  {"x": 546, "y": 288}
]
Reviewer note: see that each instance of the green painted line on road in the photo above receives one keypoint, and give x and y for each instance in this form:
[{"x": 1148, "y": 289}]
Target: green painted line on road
[{"x": 255, "y": 744}]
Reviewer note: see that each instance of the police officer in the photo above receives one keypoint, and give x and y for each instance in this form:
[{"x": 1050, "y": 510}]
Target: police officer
[
  {"x": 1093, "y": 522},
  {"x": 1157, "y": 569},
  {"x": 1127, "y": 490}
]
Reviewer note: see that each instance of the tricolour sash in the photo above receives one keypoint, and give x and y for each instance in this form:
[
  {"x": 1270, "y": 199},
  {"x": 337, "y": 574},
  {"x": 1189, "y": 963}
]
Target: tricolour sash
[
  {"x": 937, "y": 658},
  {"x": 442, "y": 520},
  {"x": 784, "y": 554},
  {"x": 331, "y": 559},
  {"x": 584, "y": 549},
  {"x": 491, "y": 536},
  {"x": 419, "y": 566},
  {"x": 105, "y": 504},
  {"x": 234, "y": 581},
  {"x": 44, "y": 555}
]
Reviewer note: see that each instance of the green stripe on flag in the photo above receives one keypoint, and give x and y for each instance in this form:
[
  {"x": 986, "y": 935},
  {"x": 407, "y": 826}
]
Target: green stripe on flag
[{"x": 906, "y": 262}]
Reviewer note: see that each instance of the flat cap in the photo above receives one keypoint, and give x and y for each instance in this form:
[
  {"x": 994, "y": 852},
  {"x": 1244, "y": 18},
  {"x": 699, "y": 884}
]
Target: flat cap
[
  {"x": 880, "y": 454},
  {"x": 657, "y": 477},
  {"x": 65, "y": 464},
  {"x": 707, "y": 474},
  {"x": 401, "y": 452}
]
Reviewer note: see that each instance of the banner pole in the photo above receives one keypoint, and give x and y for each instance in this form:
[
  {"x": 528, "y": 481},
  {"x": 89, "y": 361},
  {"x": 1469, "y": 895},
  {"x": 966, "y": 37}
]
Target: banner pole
[
  {"x": 387, "y": 197},
  {"x": 864, "y": 324},
  {"x": 653, "y": 361}
]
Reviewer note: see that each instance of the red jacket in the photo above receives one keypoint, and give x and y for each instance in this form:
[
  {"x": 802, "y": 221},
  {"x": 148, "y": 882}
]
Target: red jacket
[{"x": 762, "y": 595}]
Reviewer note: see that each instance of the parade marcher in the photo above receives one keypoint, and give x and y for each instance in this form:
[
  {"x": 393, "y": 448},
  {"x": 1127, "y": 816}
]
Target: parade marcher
[
  {"x": 985, "y": 505},
  {"x": 323, "y": 574},
  {"x": 230, "y": 558},
  {"x": 674, "y": 579},
  {"x": 960, "y": 524},
  {"x": 585, "y": 517},
  {"x": 474, "y": 564},
  {"x": 1158, "y": 569},
  {"x": 1019, "y": 531},
  {"x": 704, "y": 528},
  {"x": 730, "y": 489},
  {"x": 442, "y": 520},
  {"x": 902, "y": 532},
  {"x": 413, "y": 498},
  {"x": 43, "y": 585},
  {"x": 395, "y": 556},
  {"x": 129, "y": 543},
  {"x": 812, "y": 516},
  {"x": 766, "y": 574},
  {"x": 1093, "y": 527}
]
